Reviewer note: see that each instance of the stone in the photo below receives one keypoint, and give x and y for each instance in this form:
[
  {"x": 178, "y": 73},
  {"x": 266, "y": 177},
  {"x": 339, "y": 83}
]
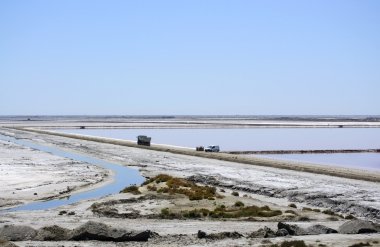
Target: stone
[
  {"x": 17, "y": 233},
  {"x": 319, "y": 229},
  {"x": 52, "y": 233},
  {"x": 265, "y": 232},
  {"x": 282, "y": 232},
  {"x": 101, "y": 232},
  {"x": 359, "y": 226},
  {"x": 293, "y": 230}
]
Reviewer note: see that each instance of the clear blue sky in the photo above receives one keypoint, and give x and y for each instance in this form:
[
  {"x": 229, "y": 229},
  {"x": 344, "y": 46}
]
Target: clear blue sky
[{"x": 190, "y": 57}]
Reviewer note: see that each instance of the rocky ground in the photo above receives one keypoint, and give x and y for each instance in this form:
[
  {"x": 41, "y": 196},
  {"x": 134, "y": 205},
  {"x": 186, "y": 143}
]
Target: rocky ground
[{"x": 327, "y": 211}]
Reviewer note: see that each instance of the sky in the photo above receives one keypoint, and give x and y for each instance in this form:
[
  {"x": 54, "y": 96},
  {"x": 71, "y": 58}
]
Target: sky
[{"x": 199, "y": 57}]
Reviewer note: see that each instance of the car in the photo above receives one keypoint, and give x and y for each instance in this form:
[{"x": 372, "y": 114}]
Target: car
[{"x": 212, "y": 149}]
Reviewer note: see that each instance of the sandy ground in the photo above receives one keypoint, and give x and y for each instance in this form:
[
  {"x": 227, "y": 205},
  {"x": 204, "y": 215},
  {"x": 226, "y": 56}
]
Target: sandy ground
[{"x": 261, "y": 185}]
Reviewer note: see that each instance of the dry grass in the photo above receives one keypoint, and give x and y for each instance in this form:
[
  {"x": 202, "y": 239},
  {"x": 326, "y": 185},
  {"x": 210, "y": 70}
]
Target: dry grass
[
  {"x": 223, "y": 212},
  {"x": 182, "y": 186},
  {"x": 131, "y": 189}
]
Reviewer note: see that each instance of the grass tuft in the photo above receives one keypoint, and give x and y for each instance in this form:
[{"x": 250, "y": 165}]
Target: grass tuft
[{"x": 131, "y": 189}]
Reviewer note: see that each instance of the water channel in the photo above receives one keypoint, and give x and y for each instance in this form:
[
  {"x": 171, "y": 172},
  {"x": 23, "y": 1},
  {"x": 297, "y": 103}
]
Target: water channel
[{"x": 122, "y": 177}]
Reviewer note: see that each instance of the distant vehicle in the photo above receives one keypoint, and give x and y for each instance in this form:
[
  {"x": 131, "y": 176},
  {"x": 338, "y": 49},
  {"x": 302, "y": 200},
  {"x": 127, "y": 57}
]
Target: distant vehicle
[
  {"x": 143, "y": 140},
  {"x": 212, "y": 149},
  {"x": 200, "y": 148}
]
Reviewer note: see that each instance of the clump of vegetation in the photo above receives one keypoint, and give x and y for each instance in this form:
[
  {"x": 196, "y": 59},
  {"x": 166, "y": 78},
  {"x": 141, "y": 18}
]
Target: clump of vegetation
[
  {"x": 158, "y": 179},
  {"x": 291, "y": 212},
  {"x": 292, "y": 243},
  {"x": 152, "y": 188},
  {"x": 131, "y": 189},
  {"x": 306, "y": 209},
  {"x": 239, "y": 204},
  {"x": 292, "y": 205},
  {"x": 360, "y": 244},
  {"x": 304, "y": 218},
  {"x": 62, "y": 212},
  {"x": 182, "y": 186},
  {"x": 350, "y": 217},
  {"x": 316, "y": 210},
  {"x": 329, "y": 212},
  {"x": 224, "y": 212},
  {"x": 235, "y": 193}
]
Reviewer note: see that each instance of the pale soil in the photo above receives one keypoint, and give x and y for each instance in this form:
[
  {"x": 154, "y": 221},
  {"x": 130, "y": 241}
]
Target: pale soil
[
  {"x": 27, "y": 175},
  {"x": 262, "y": 185}
]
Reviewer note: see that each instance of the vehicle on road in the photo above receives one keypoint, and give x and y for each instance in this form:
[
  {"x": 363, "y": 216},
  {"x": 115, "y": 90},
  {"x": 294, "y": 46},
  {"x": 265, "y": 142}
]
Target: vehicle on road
[
  {"x": 143, "y": 140},
  {"x": 213, "y": 149}
]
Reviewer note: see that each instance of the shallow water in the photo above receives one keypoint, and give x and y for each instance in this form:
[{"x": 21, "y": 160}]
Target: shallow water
[
  {"x": 365, "y": 161},
  {"x": 123, "y": 177},
  {"x": 267, "y": 139}
]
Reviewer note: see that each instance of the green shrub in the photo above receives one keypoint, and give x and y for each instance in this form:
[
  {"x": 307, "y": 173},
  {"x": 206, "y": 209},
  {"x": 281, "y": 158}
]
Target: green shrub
[
  {"x": 235, "y": 193},
  {"x": 292, "y": 205}
]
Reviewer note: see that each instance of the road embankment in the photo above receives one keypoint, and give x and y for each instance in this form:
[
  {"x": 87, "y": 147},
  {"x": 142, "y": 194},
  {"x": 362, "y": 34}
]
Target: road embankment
[{"x": 296, "y": 166}]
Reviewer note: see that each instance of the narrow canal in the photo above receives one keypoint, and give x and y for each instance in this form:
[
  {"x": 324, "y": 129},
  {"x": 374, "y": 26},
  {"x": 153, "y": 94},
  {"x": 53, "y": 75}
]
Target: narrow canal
[{"x": 122, "y": 177}]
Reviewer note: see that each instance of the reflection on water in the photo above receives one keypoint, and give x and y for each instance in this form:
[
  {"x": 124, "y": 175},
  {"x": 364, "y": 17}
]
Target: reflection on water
[{"x": 124, "y": 176}]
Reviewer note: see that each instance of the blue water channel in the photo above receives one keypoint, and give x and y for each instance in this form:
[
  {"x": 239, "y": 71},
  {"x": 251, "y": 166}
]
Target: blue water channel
[{"x": 122, "y": 177}]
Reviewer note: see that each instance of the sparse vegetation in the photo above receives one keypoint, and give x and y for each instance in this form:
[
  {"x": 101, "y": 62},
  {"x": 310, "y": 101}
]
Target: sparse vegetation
[
  {"x": 235, "y": 193},
  {"x": 330, "y": 212},
  {"x": 62, "y": 212},
  {"x": 131, "y": 189},
  {"x": 292, "y": 243},
  {"x": 350, "y": 217},
  {"x": 360, "y": 244},
  {"x": 182, "y": 186},
  {"x": 239, "y": 204},
  {"x": 292, "y": 205},
  {"x": 306, "y": 209},
  {"x": 223, "y": 212},
  {"x": 291, "y": 212},
  {"x": 304, "y": 218}
]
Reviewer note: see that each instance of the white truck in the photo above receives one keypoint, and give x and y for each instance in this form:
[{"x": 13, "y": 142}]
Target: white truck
[{"x": 212, "y": 149}]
